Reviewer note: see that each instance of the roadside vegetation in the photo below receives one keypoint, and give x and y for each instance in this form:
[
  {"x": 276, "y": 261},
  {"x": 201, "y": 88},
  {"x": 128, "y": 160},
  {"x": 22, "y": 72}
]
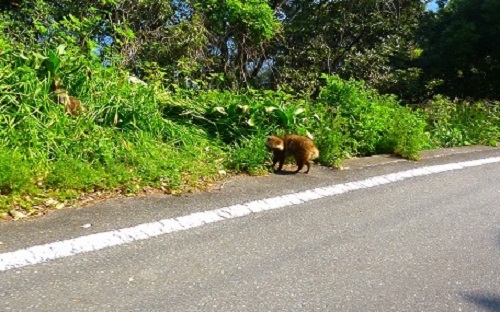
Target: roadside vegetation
[{"x": 192, "y": 121}]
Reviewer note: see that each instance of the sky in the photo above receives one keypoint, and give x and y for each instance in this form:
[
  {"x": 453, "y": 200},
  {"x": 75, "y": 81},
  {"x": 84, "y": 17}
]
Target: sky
[{"x": 432, "y": 6}]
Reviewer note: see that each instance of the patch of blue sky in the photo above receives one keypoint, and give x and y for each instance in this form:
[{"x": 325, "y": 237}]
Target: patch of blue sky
[{"x": 432, "y": 6}]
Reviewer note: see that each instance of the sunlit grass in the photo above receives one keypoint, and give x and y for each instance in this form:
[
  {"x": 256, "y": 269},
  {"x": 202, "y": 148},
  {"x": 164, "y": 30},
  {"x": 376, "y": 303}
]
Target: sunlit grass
[{"x": 136, "y": 136}]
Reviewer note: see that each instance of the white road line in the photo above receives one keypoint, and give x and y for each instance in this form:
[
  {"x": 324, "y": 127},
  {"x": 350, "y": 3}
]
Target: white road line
[{"x": 42, "y": 253}]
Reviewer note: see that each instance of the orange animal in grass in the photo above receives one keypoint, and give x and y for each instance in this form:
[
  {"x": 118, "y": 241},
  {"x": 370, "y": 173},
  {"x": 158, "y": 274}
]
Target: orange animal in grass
[
  {"x": 299, "y": 147},
  {"x": 72, "y": 105}
]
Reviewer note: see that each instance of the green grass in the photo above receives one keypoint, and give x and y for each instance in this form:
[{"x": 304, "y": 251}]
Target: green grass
[
  {"x": 135, "y": 136},
  {"x": 366, "y": 123},
  {"x": 461, "y": 123}
]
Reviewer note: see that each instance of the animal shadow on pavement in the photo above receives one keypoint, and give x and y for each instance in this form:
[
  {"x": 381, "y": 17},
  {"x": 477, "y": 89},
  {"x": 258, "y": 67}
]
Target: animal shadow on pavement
[
  {"x": 286, "y": 172},
  {"x": 290, "y": 170},
  {"x": 487, "y": 302}
]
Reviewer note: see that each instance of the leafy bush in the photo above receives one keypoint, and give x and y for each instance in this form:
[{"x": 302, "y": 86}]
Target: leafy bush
[
  {"x": 330, "y": 141},
  {"x": 460, "y": 123},
  {"x": 248, "y": 155},
  {"x": 407, "y": 135},
  {"x": 233, "y": 117},
  {"x": 370, "y": 123},
  {"x": 15, "y": 174},
  {"x": 122, "y": 142},
  {"x": 137, "y": 135}
]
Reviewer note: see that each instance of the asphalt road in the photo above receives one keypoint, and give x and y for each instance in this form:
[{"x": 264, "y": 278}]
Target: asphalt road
[{"x": 428, "y": 243}]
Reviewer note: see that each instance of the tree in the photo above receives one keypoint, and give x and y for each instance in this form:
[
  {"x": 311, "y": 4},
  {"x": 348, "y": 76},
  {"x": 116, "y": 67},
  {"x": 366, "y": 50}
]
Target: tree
[
  {"x": 461, "y": 49},
  {"x": 239, "y": 32},
  {"x": 181, "y": 40},
  {"x": 237, "y": 43},
  {"x": 363, "y": 39}
]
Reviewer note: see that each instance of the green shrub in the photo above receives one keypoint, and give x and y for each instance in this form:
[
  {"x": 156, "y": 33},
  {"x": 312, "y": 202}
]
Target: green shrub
[
  {"x": 248, "y": 155},
  {"x": 407, "y": 136},
  {"x": 331, "y": 140},
  {"x": 460, "y": 123},
  {"x": 136, "y": 135},
  {"x": 123, "y": 140},
  {"x": 73, "y": 174},
  {"x": 231, "y": 116},
  {"x": 15, "y": 173},
  {"x": 370, "y": 123}
]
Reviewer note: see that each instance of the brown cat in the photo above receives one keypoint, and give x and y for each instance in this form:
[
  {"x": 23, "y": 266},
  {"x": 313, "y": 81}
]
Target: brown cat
[{"x": 299, "y": 147}]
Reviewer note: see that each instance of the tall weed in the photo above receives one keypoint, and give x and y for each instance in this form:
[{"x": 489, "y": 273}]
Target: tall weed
[
  {"x": 136, "y": 135},
  {"x": 461, "y": 123},
  {"x": 241, "y": 121},
  {"x": 248, "y": 155},
  {"x": 15, "y": 173},
  {"x": 370, "y": 123},
  {"x": 122, "y": 142}
]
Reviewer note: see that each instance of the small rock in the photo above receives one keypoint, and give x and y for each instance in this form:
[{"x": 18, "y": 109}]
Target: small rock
[
  {"x": 86, "y": 226},
  {"x": 17, "y": 214},
  {"x": 222, "y": 172},
  {"x": 60, "y": 206},
  {"x": 51, "y": 202},
  {"x": 176, "y": 192},
  {"x": 135, "y": 80}
]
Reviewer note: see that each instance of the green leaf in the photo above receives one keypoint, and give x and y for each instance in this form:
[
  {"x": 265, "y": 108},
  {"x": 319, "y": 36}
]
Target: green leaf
[
  {"x": 309, "y": 135},
  {"x": 281, "y": 115},
  {"x": 61, "y": 49},
  {"x": 298, "y": 111},
  {"x": 244, "y": 108},
  {"x": 75, "y": 20},
  {"x": 269, "y": 109},
  {"x": 52, "y": 62},
  {"x": 39, "y": 56},
  {"x": 129, "y": 33},
  {"x": 220, "y": 110}
]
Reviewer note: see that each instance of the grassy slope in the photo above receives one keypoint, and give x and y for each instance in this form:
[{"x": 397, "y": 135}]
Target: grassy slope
[{"x": 134, "y": 137}]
